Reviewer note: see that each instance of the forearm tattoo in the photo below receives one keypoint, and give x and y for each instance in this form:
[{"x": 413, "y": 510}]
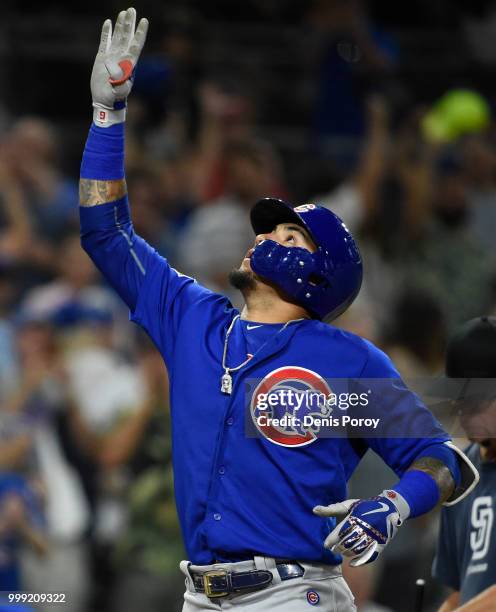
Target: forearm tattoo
[
  {"x": 93, "y": 192},
  {"x": 439, "y": 472}
]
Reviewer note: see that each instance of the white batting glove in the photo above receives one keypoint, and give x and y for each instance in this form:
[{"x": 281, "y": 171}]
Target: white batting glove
[
  {"x": 365, "y": 527},
  {"x": 118, "y": 54}
]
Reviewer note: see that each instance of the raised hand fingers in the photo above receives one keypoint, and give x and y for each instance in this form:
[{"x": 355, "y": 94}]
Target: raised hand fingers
[
  {"x": 105, "y": 37},
  {"x": 124, "y": 31},
  {"x": 125, "y": 47},
  {"x": 138, "y": 40},
  {"x": 117, "y": 38},
  {"x": 128, "y": 28}
]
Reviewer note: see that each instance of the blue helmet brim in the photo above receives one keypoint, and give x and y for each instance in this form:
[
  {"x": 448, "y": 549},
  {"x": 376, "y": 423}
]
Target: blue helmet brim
[{"x": 267, "y": 213}]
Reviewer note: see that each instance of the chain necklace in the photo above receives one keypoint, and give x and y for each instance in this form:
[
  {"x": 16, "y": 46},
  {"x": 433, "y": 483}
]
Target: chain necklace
[{"x": 226, "y": 379}]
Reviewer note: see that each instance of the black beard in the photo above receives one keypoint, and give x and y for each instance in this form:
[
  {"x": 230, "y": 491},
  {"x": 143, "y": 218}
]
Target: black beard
[{"x": 241, "y": 280}]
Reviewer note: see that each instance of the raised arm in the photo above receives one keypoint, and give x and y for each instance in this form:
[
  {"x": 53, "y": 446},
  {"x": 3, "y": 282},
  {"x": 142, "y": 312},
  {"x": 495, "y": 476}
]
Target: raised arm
[
  {"x": 155, "y": 293},
  {"x": 106, "y": 230}
]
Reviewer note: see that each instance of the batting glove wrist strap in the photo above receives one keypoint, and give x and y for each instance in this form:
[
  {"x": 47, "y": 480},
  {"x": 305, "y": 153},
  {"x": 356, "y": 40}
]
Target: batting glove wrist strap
[
  {"x": 105, "y": 117},
  {"x": 399, "y": 501}
]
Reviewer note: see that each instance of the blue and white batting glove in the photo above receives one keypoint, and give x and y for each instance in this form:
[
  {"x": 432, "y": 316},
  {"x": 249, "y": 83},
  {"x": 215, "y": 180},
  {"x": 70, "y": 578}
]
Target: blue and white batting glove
[
  {"x": 118, "y": 54},
  {"x": 365, "y": 527}
]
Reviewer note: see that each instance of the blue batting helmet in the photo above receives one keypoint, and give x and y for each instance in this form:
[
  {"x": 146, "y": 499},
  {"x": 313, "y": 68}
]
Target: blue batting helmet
[{"x": 324, "y": 282}]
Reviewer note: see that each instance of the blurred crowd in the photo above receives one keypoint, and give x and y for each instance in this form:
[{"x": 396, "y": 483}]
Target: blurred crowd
[{"x": 86, "y": 488}]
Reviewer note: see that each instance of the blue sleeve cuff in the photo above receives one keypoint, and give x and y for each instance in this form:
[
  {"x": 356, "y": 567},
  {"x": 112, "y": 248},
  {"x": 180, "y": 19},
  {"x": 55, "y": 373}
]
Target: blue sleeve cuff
[
  {"x": 104, "y": 216},
  {"x": 419, "y": 490},
  {"x": 103, "y": 157}
]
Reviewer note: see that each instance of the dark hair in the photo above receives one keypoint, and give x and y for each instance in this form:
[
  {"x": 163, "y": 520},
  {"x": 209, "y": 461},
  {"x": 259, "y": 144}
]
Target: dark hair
[{"x": 417, "y": 321}]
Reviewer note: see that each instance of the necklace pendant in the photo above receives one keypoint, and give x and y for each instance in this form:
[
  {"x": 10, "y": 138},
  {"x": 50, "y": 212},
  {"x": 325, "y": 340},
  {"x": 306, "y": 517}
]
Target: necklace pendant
[{"x": 226, "y": 383}]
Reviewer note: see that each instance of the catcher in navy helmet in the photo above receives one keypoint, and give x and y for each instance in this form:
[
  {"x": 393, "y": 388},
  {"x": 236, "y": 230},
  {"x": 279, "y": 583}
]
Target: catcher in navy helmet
[{"x": 266, "y": 425}]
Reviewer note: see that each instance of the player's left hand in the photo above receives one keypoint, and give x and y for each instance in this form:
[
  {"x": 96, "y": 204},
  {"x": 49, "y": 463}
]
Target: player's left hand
[{"x": 365, "y": 527}]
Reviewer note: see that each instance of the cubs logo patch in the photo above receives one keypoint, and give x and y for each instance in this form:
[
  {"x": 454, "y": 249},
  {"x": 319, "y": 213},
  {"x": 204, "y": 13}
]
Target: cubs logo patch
[
  {"x": 304, "y": 208},
  {"x": 313, "y": 598},
  {"x": 287, "y": 405}
]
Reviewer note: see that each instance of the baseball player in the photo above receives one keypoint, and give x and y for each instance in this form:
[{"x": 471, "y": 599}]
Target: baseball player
[
  {"x": 466, "y": 556},
  {"x": 264, "y": 518}
]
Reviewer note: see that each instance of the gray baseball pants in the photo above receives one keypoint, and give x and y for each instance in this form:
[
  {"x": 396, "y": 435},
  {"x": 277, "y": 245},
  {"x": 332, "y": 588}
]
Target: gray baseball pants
[{"x": 320, "y": 582}]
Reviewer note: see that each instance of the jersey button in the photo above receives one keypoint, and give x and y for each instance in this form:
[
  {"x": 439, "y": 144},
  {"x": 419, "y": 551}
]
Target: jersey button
[
  {"x": 217, "y": 516},
  {"x": 222, "y": 470},
  {"x": 230, "y": 421}
]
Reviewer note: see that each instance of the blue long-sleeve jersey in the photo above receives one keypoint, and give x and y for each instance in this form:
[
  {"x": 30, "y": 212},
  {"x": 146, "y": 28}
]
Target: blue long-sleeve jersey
[{"x": 237, "y": 495}]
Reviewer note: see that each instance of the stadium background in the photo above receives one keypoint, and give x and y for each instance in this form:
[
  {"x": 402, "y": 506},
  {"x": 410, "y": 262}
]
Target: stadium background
[{"x": 322, "y": 100}]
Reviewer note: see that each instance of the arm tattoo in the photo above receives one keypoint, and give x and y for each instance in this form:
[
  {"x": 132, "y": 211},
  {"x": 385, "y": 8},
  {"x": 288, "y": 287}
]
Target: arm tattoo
[
  {"x": 439, "y": 472},
  {"x": 93, "y": 192}
]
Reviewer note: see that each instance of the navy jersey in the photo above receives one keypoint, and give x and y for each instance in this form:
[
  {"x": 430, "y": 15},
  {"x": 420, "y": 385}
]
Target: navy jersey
[
  {"x": 236, "y": 495},
  {"x": 466, "y": 553}
]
